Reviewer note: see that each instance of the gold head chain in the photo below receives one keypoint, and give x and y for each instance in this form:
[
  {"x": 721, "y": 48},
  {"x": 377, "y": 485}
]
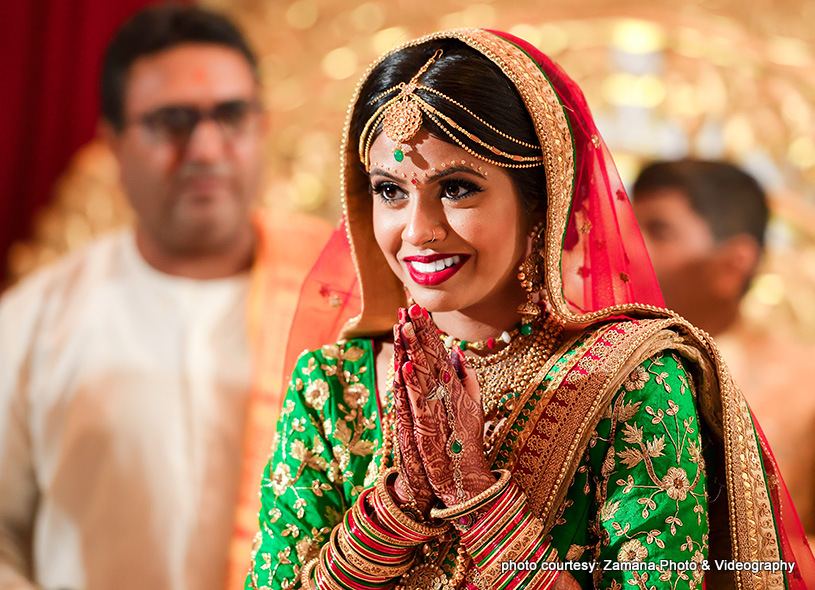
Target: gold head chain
[{"x": 401, "y": 118}]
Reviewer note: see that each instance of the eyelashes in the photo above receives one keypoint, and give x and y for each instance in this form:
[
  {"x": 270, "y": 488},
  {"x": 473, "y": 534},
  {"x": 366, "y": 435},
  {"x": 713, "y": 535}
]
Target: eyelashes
[
  {"x": 387, "y": 191},
  {"x": 453, "y": 189},
  {"x": 460, "y": 188}
]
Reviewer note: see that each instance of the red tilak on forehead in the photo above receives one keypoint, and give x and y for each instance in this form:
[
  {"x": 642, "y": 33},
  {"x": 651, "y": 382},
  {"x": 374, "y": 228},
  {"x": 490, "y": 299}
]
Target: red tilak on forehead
[{"x": 199, "y": 75}]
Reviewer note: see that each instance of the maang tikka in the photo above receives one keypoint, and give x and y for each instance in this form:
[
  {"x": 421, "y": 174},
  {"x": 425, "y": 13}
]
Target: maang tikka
[
  {"x": 531, "y": 275},
  {"x": 402, "y": 116}
]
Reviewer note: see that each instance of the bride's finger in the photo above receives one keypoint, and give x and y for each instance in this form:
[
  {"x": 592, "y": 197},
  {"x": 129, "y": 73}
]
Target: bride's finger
[
  {"x": 403, "y": 413},
  {"x": 431, "y": 431},
  {"x": 421, "y": 365},
  {"x": 410, "y": 463},
  {"x": 428, "y": 336},
  {"x": 427, "y": 408},
  {"x": 466, "y": 375}
]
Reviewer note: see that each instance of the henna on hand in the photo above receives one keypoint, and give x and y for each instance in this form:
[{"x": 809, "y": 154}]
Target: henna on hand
[
  {"x": 428, "y": 338},
  {"x": 411, "y": 482},
  {"x": 430, "y": 427},
  {"x": 466, "y": 401},
  {"x": 423, "y": 345}
]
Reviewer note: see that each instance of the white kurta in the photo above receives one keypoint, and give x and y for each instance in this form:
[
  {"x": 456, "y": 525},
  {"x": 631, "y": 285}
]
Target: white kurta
[{"x": 122, "y": 402}]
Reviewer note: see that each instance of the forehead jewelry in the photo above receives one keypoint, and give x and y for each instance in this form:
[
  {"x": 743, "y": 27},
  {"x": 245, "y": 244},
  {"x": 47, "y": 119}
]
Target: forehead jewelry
[
  {"x": 401, "y": 118},
  {"x": 402, "y": 115}
]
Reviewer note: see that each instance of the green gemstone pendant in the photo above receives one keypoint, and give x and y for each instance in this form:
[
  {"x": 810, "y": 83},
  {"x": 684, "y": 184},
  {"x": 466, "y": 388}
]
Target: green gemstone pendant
[
  {"x": 398, "y": 155},
  {"x": 455, "y": 447},
  {"x": 463, "y": 345},
  {"x": 526, "y": 329}
]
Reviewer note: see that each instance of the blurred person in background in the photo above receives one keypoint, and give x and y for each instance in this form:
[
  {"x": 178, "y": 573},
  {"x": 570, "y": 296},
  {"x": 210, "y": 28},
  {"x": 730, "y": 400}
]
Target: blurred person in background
[
  {"x": 704, "y": 224},
  {"x": 127, "y": 369}
]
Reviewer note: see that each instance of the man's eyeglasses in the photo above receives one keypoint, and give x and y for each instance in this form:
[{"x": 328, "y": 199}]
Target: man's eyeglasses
[{"x": 176, "y": 123}]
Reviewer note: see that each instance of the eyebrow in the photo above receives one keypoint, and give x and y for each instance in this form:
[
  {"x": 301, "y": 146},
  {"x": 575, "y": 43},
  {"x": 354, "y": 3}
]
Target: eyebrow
[{"x": 437, "y": 176}]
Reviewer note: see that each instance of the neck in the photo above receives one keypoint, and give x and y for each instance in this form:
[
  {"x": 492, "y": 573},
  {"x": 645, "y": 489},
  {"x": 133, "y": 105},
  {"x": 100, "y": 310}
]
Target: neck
[
  {"x": 480, "y": 322},
  {"x": 233, "y": 259}
]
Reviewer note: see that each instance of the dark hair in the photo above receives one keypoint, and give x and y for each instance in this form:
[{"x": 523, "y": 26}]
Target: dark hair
[
  {"x": 730, "y": 200},
  {"x": 156, "y": 29},
  {"x": 470, "y": 78}
]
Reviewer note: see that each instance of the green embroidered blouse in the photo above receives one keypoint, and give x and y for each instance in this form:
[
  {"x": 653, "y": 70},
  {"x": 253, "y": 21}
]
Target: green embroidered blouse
[{"x": 639, "y": 495}]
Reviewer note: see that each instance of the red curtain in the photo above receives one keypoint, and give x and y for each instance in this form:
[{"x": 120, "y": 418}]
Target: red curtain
[{"x": 51, "y": 54}]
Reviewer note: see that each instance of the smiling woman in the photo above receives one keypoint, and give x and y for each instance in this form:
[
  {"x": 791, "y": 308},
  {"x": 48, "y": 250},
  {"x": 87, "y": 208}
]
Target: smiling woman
[
  {"x": 453, "y": 233},
  {"x": 513, "y": 405}
]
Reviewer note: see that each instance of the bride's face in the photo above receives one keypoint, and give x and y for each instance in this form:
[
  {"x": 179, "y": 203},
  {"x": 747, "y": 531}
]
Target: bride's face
[{"x": 450, "y": 225}]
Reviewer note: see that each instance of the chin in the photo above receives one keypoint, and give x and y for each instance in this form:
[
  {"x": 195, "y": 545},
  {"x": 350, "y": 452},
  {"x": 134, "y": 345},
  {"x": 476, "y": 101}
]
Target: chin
[
  {"x": 436, "y": 300},
  {"x": 207, "y": 235}
]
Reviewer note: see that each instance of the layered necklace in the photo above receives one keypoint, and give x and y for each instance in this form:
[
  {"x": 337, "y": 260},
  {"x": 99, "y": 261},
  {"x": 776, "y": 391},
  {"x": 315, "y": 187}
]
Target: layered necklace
[{"x": 507, "y": 373}]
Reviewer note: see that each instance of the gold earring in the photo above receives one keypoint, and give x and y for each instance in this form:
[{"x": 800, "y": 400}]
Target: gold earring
[{"x": 531, "y": 276}]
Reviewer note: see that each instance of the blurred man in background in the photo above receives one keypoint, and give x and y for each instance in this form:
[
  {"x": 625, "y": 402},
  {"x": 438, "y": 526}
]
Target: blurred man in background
[
  {"x": 704, "y": 223},
  {"x": 127, "y": 368}
]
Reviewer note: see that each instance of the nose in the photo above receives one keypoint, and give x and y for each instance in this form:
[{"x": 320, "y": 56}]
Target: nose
[
  {"x": 425, "y": 223},
  {"x": 206, "y": 143}
]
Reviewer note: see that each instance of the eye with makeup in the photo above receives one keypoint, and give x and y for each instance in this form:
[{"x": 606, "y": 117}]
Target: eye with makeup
[
  {"x": 388, "y": 191},
  {"x": 456, "y": 189},
  {"x": 452, "y": 189}
]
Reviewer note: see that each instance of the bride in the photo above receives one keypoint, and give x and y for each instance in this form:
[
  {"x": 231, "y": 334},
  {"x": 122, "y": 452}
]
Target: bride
[{"x": 512, "y": 407}]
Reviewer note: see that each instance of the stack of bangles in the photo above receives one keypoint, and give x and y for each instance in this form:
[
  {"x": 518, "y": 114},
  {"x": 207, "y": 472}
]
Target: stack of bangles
[
  {"x": 503, "y": 531},
  {"x": 373, "y": 545}
]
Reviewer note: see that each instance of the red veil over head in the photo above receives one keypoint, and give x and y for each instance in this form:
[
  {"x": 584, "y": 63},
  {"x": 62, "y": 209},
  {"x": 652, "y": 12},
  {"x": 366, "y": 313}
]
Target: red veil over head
[
  {"x": 592, "y": 235},
  {"x": 596, "y": 264}
]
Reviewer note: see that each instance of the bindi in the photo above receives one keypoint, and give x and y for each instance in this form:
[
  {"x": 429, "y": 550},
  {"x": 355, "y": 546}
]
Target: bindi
[{"x": 199, "y": 75}]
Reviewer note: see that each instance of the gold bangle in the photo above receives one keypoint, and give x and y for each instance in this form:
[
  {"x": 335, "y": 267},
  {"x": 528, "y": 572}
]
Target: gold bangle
[
  {"x": 360, "y": 515},
  {"x": 475, "y": 502},
  {"x": 362, "y": 564},
  {"x": 500, "y": 523},
  {"x": 514, "y": 550},
  {"x": 323, "y": 564},
  {"x": 305, "y": 575},
  {"x": 406, "y": 521}
]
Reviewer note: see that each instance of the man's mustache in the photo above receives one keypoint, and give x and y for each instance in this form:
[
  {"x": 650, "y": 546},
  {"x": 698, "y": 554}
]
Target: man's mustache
[{"x": 191, "y": 170}]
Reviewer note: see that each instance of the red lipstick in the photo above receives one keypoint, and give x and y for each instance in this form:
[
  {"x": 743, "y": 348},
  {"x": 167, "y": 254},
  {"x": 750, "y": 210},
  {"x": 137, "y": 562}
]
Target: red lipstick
[{"x": 422, "y": 275}]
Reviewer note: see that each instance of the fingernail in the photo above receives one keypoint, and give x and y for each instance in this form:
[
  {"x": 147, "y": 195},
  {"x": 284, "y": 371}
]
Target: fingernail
[
  {"x": 408, "y": 367},
  {"x": 415, "y": 311},
  {"x": 425, "y": 314},
  {"x": 402, "y": 315}
]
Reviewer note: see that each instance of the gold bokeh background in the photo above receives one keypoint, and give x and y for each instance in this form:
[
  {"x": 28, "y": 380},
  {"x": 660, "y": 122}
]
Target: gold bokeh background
[{"x": 732, "y": 79}]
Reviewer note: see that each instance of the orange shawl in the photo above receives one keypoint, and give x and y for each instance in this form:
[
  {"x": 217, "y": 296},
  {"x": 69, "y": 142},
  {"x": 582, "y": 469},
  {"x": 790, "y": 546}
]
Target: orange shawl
[{"x": 288, "y": 246}]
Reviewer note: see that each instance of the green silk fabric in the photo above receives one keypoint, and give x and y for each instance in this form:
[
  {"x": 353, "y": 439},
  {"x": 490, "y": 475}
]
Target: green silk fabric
[{"x": 638, "y": 497}]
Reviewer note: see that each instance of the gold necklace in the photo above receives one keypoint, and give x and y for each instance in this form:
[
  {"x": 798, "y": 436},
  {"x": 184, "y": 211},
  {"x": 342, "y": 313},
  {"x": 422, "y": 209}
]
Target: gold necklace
[
  {"x": 508, "y": 373},
  {"x": 488, "y": 345}
]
